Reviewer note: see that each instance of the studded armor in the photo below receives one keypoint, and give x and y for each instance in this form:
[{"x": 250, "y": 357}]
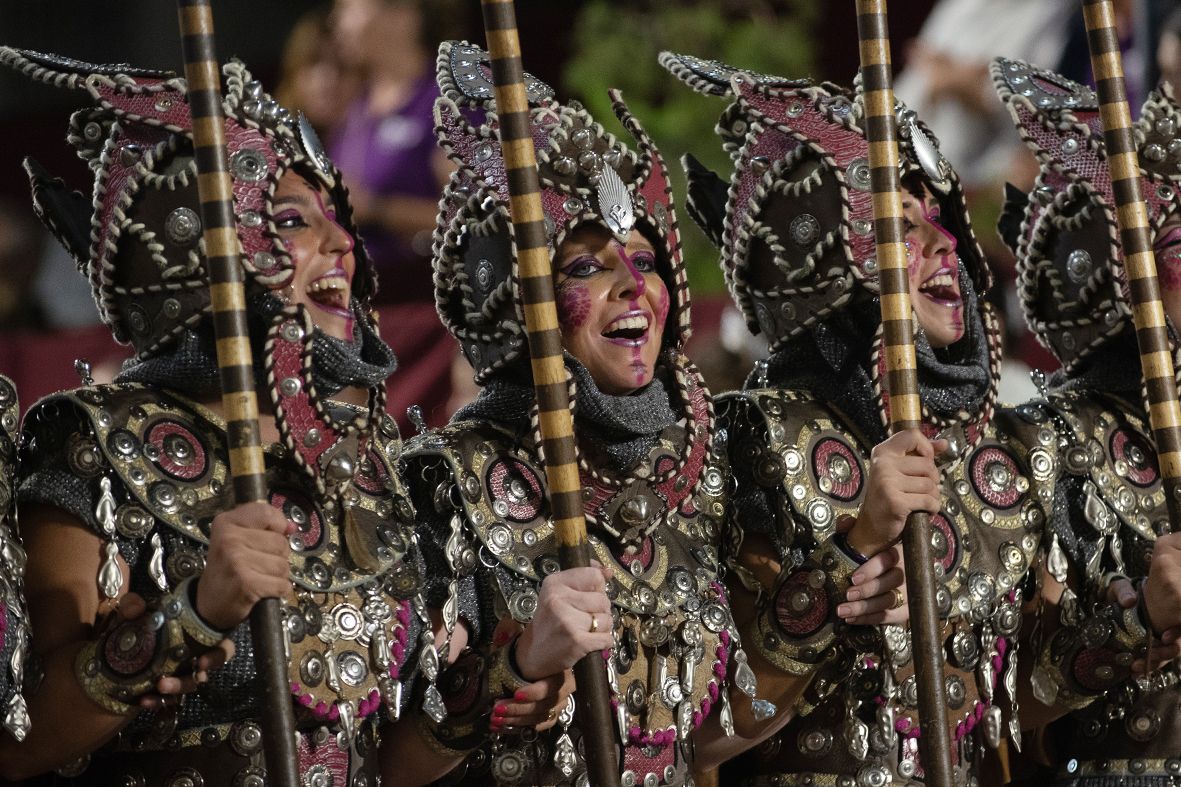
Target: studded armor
[
  {"x": 14, "y": 623},
  {"x": 1123, "y": 728},
  {"x": 147, "y": 471},
  {"x": 857, "y": 720},
  {"x": 676, "y": 651}
]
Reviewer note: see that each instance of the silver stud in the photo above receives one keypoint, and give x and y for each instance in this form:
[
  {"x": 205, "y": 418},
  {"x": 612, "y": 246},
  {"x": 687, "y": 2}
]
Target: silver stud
[
  {"x": 249, "y": 165},
  {"x": 1154, "y": 152},
  {"x": 805, "y": 229},
  {"x": 1070, "y": 146},
  {"x": 264, "y": 261},
  {"x": 1078, "y": 265},
  {"x": 290, "y": 386},
  {"x": 183, "y": 226},
  {"x": 1166, "y": 127},
  {"x": 291, "y": 331}
]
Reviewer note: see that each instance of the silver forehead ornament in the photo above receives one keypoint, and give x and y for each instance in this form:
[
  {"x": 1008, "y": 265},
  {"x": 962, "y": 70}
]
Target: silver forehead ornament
[
  {"x": 930, "y": 159},
  {"x": 615, "y": 204}
]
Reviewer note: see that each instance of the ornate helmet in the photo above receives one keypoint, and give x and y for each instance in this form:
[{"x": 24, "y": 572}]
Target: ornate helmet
[
  {"x": 1071, "y": 280},
  {"x": 138, "y": 237},
  {"x": 796, "y": 224},
  {"x": 586, "y": 176}
]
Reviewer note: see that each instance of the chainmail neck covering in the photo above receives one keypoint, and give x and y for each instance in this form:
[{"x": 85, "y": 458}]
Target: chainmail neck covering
[
  {"x": 191, "y": 366},
  {"x": 833, "y": 362},
  {"x": 622, "y": 429},
  {"x": 1114, "y": 368}
]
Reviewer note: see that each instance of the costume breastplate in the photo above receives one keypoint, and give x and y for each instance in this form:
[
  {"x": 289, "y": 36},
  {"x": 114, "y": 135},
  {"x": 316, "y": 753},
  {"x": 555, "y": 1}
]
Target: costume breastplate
[
  {"x": 14, "y": 622},
  {"x": 154, "y": 468},
  {"x": 859, "y": 716},
  {"x": 1117, "y": 508},
  {"x": 659, "y": 530}
]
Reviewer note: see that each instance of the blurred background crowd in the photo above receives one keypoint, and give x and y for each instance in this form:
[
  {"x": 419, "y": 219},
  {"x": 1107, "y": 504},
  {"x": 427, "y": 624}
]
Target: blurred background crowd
[{"x": 363, "y": 72}]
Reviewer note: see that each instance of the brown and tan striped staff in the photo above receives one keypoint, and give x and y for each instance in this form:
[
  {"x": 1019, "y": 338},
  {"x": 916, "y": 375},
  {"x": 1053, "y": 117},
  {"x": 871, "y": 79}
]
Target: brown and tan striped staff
[
  {"x": 549, "y": 371},
  {"x": 235, "y": 364},
  {"x": 1131, "y": 214},
  {"x": 902, "y": 385}
]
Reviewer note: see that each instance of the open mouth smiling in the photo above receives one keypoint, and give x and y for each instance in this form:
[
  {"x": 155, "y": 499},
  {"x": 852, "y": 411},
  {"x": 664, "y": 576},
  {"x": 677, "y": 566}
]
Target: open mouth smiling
[
  {"x": 942, "y": 288},
  {"x": 331, "y": 292},
  {"x": 630, "y": 329}
]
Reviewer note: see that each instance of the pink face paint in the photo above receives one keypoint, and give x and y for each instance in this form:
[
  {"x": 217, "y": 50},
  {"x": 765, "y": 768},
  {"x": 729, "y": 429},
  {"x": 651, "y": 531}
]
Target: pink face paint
[
  {"x": 330, "y": 215},
  {"x": 1168, "y": 259},
  {"x": 931, "y": 216},
  {"x": 574, "y": 305},
  {"x": 638, "y": 364}
]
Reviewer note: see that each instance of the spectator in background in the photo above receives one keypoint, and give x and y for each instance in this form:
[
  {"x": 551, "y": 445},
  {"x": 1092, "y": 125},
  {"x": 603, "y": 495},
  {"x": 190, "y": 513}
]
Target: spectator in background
[
  {"x": 21, "y": 241},
  {"x": 385, "y": 146},
  {"x": 946, "y": 78},
  {"x": 315, "y": 79},
  {"x": 1168, "y": 51}
]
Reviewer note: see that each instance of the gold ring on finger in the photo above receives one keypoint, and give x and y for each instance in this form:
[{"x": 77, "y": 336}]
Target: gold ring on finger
[
  {"x": 594, "y": 626},
  {"x": 553, "y": 714},
  {"x": 899, "y": 599}
]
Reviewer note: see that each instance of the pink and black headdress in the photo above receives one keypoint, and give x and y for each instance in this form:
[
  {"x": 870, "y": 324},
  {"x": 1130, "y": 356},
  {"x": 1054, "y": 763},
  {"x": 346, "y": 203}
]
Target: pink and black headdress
[
  {"x": 1071, "y": 280},
  {"x": 137, "y": 237},
  {"x": 587, "y": 176},
  {"x": 795, "y": 221}
]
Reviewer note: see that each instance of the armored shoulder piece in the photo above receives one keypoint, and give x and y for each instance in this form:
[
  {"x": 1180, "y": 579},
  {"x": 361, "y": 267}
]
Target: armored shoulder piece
[
  {"x": 1115, "y": 509},
  {"x": 659, "y": 528},
  {"x": 147, "y": 471},
  {"x": 811, "y": 467},
  {"x": 14, "y": 621}
]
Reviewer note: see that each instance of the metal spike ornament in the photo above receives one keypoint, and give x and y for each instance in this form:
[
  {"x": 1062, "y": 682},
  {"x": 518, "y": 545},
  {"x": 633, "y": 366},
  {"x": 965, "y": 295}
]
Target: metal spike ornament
[
  {"x": 595, "y": 717},
  {"x": 235, "y": 364},
  {"x": 1148, "y": 314},
  {"x": 881, "y": 132}
]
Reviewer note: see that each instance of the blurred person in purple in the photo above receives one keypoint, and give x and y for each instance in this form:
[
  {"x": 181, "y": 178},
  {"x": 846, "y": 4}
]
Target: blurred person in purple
[
  {"x": 385, "y": 143},
  {"x": 314, "y": 77}
]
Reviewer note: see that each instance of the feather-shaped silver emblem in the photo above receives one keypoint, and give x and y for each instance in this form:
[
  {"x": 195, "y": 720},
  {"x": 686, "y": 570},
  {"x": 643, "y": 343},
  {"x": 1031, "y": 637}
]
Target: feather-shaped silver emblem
[
  {"x": 615, "y": 204},
  {"x": 930, "y": 159}
]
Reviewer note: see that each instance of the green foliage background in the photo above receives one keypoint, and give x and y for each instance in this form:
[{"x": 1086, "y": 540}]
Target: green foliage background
[{"x": 615, "y": 46}]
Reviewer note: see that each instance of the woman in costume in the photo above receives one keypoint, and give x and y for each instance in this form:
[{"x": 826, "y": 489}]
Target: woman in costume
[
  {"x": 653, "y": 485},
  {"x": 654, "y": 491},
  {"x": 140, "y": 572},
  {"x": 795, "y": 226},
  {"x": 1110, "y": 521}
]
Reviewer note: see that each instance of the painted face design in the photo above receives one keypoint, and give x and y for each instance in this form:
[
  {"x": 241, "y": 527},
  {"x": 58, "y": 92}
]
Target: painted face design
[
  {"x": 612, "y": 306},
  {"x": 934, "y": 270},
  {"x": 322, "y": 252},
  {"x": 1167, "y": 248}
]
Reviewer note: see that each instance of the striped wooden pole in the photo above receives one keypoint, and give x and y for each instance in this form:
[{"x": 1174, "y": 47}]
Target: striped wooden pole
[
  {"x": 1135, "y": 236},
  {"x": 549, "y": 371},
  {"x": 235, "y": 365},
  {"x": 881, "y": 131}
]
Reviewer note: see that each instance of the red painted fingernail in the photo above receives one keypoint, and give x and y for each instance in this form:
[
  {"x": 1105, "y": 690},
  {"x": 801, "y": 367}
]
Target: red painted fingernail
[
  {"x": 520, "y": 696},
  {"x": 500, "y": 710}
]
